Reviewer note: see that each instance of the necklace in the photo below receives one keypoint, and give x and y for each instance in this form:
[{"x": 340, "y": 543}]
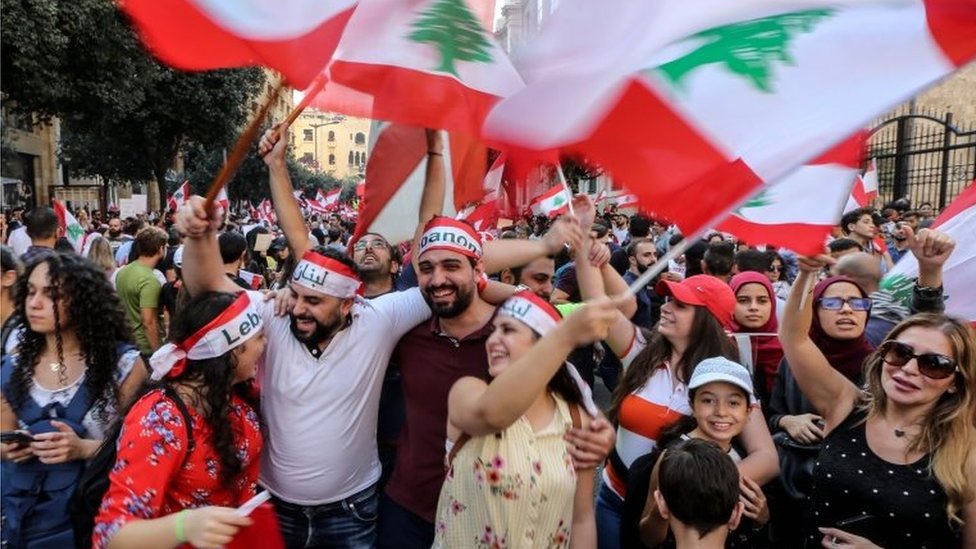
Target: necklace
[
  {"x": 61, "y": 369},
  {"x": 899, "y": 433}
]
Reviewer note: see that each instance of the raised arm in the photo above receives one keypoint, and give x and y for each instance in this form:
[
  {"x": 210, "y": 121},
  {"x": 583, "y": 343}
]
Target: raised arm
[
  {"x": 931, "y": 249},
  {"x": 432, "y": 199},
  {"x": 272, "y": 147},
  {"x": 478, "y": 408},
  {"x": 504, "y": 254},
  {"x": 828, "y": 390},
  {"x": 203, "y": 270}
]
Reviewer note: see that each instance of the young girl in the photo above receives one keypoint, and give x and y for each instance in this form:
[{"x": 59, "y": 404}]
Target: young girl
[
  {"x": 163, "y": 490},
  {"x": 755, "y": 317},
  {"x": 721, "y": 397},
  {"x": 73, "y": 371},
  {"x": 511, "y": 480}
]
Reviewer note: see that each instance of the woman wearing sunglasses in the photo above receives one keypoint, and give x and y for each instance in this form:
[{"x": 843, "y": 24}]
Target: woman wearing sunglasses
[{"x": 897, "y": 465}]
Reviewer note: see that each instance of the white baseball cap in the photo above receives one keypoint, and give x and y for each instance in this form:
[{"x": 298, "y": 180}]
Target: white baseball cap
[{"x": 722, "y": 369}]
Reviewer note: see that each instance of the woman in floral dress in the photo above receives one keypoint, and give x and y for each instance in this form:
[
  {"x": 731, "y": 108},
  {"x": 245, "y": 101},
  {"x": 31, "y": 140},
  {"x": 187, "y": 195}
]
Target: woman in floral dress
[
  {"x": 511, "y": 481},
  {"x": 169, "y": 486}
]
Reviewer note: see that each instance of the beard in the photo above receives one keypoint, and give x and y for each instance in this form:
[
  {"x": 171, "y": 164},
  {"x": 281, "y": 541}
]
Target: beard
[
  {"x": 377, "y": 270},
  {"x": 462, "y": 300},
  {"x": 114, "y": 234},
  {"x": 322, "y": 332}
]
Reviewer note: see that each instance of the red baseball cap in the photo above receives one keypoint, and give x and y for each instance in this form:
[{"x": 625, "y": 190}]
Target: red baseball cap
[{"x": 704, "y": 291}]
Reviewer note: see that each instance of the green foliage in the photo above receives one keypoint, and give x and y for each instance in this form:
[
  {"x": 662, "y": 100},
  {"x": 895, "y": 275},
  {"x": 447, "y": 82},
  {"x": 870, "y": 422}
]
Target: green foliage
[
  {"x": 124, "y": 116},
  {"x": 578, "y": 169},
  {"x": 454, "y": 30},
  {"x": 748, "y": 48}
]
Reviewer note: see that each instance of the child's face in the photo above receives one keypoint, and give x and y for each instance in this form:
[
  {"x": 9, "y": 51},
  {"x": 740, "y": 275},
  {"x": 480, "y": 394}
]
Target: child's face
[{"x": 722, "y": 410}]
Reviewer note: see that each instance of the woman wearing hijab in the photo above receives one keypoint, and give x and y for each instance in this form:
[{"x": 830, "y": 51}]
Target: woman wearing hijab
[
  {"x": 755, "y": 318},
  {"x": 841, "y": 312}
]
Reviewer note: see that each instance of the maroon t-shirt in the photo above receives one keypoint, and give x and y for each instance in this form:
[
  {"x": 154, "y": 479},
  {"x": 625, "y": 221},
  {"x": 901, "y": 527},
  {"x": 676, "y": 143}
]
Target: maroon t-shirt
[{"x": 430, "y": 362}]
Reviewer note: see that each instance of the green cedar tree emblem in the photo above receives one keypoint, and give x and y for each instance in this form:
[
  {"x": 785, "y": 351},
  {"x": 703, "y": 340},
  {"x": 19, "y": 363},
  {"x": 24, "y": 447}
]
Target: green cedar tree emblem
[
  {"x": 758, "y": 201},
  {"x": 900, "y": 286},
  {"x": 748, "y": 48},
  {"x": 559, "y": 200},
  {"x": 451, "y": 27},
  {"x": 75, "y": 231}
]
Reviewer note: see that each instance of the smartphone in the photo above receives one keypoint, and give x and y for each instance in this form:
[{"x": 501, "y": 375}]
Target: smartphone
[
  {"x": 18, "y": 437},
  {"x": 865, "y": 526},
  {"x": 676, "y": 268}
]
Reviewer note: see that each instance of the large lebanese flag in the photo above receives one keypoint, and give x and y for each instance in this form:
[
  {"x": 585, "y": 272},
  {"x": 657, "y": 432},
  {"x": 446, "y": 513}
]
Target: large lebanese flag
[
  {"x": 799, "y": 210},
  {"x": 959, "y": 272},
  {"x": 694, "y": 105},
  {"x": 428, "y": 63},
  {"x": 294, "y": 37}
]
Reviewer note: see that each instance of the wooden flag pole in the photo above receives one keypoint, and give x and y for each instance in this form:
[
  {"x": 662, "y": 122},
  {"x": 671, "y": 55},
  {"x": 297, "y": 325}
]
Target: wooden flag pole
[
  {"x": 240, "y": 149},
  {"x": 310, "y": 94}
]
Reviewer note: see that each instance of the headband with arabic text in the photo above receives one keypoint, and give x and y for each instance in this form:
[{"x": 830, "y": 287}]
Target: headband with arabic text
[
  {"x": 326, "y": 275},
  {"x": 444, "y": 233},
  {"x": 238, "y": 323},
  {"x": 532, "y": 311}
]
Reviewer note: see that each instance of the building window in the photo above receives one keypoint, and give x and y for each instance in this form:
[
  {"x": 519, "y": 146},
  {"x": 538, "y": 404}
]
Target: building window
[
  {"x": 332, "y": 160},
  {"x": 351, "y": 158},
  {"x": 307, "y": 158},
  {"x": 331, "y": 135},
  {"x": 308, "y": 135},
  {"x": 360, "y": 138}
]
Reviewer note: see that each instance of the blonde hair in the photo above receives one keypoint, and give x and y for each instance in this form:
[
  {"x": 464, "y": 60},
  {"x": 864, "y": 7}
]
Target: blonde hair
[
  {"x": 949, "y": 432},
  {"x": 101, "y": 254}
]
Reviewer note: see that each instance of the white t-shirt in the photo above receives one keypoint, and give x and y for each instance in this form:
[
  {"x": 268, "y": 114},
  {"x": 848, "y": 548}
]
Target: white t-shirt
[
  {"x": 18, "y": 240},
  {"x": 320, "y": 413},
  {"x": 95, "y": 428}
]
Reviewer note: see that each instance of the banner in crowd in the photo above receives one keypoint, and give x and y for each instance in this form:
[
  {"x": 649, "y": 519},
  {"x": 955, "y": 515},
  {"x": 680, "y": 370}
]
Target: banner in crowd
[
  {"x": 959, "y": 272},
  {"x": 295, "y": 37},
  {"x": 800, "y": 210},
  {"x": 739, "y": 94}
]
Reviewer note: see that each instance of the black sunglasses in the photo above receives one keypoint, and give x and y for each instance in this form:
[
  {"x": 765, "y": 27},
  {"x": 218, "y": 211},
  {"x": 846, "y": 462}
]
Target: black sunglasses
[
  {"x": 837, "y": 303},
  {"x": 930, "y": 365}
]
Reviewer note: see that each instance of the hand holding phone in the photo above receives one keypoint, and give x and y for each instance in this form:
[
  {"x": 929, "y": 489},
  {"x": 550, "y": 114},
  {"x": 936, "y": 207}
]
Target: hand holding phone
[{"x": 20, "y": 438}]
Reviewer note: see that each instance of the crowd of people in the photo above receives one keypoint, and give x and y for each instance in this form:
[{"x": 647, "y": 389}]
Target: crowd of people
[{"x": 439, "y": 392}]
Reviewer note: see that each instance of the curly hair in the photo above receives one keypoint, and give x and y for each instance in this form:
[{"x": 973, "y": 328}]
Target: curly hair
[
  {"x": 96, "y": 317},
  {"x": 211, "y": 380}
]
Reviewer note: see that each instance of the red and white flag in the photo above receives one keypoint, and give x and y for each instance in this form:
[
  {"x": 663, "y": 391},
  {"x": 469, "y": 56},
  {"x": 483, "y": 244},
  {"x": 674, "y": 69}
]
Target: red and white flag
[
  {"x": 253, "y": 280},
  {"x": 484, "y": 215},
  {"x": 553, "y": 202},
  {"x": 865, "y": 189},
  {"x": 223, "y": 200},
  {"x": 177, "y": 199},
  {"x": 959, "y": 271},
  {"x": 295, "y": 37},
  {"x": 266, "y": 211},
  {"x": 428, "y": 63},
  {"x": 73, "y": 230},
  {"x": 694, "y": 105},
  {"x": 798, "y": 211},
  {"x": 624, "y": 199}
]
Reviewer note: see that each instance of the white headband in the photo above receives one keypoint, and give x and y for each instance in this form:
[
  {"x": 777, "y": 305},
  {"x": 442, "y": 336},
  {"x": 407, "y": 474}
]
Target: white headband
[
  {"x": 521, "y": 306},
  {"x": 444, "y": 233},
  {"x": 328, "y": 276},
  {"x": 236, "y": 324}
]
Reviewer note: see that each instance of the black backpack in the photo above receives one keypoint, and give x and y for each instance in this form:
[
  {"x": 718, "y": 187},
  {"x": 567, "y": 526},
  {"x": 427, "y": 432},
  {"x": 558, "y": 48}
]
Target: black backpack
[{"x": 94, "y": 482}]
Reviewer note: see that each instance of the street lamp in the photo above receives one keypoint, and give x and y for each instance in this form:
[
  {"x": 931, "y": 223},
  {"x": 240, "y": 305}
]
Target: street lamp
[{"x": 315, "y": 136}]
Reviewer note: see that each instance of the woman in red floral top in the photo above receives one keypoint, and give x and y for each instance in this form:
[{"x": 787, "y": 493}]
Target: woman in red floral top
[{"x": 165, "y": 491}]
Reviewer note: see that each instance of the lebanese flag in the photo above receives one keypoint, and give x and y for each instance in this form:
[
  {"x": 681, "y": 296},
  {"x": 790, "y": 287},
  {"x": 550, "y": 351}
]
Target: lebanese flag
[
  {"x": 395, "y": 176},
  {"x": 865, "y": 189},
  {"x": 798, "y": 211},
  {"x": 959, "y": 272},
  {"x": 295, "y": 37},
  {"x": 177, "y": 199},
  {"x": 73, "y": 230},
  {"x": 266, "y": 211},
  {"x": 625, "y": 200},
  {"x": 253, "y": 280},
  {"x": 694, "y": 105},
  {"x": 331, "y": 198},
  {"x": 553, "y": 202},
  {"x": 223, "y": 200},
  {"x": 484, "y": 215},
  {"x": 427, "y": 63}
]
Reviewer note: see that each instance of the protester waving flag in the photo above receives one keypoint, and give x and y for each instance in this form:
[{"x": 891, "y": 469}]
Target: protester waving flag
[
  {"x": 294, "y": 37},
  {"x": 73, "y": 230},
  {"x": 798, "y": 211},
  {"x": 553, "y": 202},
  {"x": 959, "y": 272},
  {"x": 694, "y": 105}
]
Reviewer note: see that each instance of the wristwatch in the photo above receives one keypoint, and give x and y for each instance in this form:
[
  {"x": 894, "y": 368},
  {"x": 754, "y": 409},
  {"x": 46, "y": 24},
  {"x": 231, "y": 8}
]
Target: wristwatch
[{"x": 928, "y": 292}]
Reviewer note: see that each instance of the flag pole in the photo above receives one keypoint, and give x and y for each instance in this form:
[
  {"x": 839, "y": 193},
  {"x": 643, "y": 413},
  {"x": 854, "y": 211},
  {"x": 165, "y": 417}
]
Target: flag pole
[
  {"x": 239, "y": 151},
  {"x": 562, "y": 180},
  {"x": 310, "y": 94}
]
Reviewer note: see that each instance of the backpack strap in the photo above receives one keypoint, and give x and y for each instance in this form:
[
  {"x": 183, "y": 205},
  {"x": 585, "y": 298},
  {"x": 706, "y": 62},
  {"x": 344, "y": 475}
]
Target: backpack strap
[{"x": 574, "y": 415}]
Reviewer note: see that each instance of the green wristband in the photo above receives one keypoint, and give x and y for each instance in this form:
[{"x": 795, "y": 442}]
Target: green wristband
[{"x": 180, "y": 530}]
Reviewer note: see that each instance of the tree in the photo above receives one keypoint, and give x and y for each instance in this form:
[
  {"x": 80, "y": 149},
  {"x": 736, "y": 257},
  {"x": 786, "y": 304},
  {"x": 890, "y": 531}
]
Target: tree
[
  {"x": 124, "y": 116},
  {"x": 456, "y": 33},
  {"x": 578, "y": 169}
]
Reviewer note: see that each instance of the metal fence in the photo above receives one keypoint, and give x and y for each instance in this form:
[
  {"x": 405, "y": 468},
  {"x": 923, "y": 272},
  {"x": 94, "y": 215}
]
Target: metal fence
[{"x": 923, "y": 156}]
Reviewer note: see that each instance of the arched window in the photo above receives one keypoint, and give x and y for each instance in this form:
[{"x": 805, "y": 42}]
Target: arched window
[
  {"x": 332, "y": 160},
  {"x": 331, "y": 135},
  {"x": 351, "y": 157},
  {"x": 360, "y": 138}
]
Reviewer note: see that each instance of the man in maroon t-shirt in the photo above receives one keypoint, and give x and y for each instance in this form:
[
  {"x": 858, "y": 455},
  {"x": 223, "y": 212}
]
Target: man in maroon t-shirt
[{"x": 433, "y": 356}]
